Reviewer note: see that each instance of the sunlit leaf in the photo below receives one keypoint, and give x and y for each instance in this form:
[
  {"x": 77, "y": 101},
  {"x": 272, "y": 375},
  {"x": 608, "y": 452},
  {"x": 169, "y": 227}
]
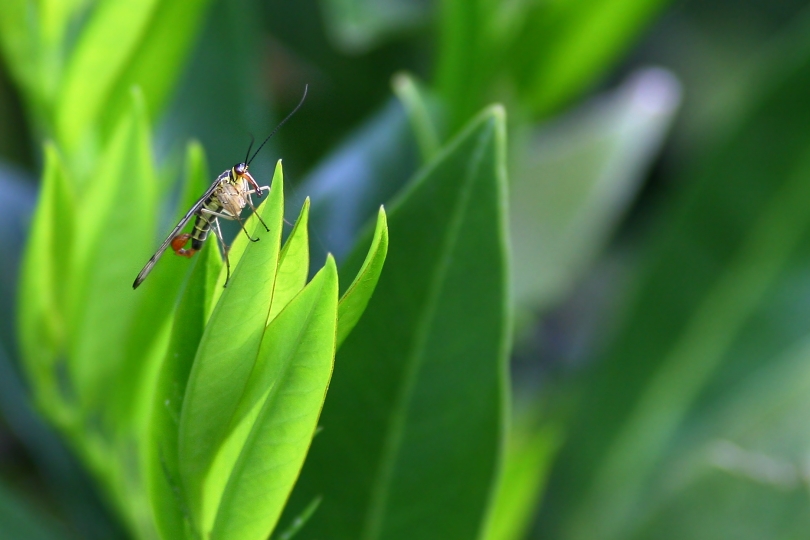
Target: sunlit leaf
[
  {"x": 43, "y": 328},
  {"x": 293, "y": 264},
  {"x": 111, "y": 244},
  {"x": 165, "y": 489},
  {"x": 227, "y": 353},
  {"x": 355, "y": 299},
  {"x": 109, "y": 39},
  {"x": 286, "y": 389}
]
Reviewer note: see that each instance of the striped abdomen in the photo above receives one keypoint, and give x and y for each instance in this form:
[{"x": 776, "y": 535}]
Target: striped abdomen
[{"x": 202, "y": 224}]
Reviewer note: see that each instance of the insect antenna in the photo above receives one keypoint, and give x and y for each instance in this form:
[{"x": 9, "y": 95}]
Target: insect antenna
[
  {"x": 306, "y": 87},
  {"x": 252, "y": 140}
]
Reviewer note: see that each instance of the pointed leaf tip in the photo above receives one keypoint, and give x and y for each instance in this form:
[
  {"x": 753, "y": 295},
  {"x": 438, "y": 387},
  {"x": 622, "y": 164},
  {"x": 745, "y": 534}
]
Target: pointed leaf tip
[{"x": 356, "y": 298}]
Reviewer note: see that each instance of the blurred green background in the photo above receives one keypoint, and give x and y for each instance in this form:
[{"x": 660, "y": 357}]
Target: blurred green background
[{"x": 659, "y": 176}]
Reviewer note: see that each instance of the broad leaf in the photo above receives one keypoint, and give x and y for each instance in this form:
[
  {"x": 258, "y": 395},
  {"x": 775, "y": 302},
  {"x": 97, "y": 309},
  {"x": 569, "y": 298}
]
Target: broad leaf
[
  {"x": 286, "y": 390},
  {"x": 414, "y": 422},
  {"x": 227, "y": 352}
]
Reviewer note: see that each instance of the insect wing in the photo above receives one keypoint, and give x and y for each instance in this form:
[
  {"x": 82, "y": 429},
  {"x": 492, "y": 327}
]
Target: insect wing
[{"x": 182, "y": 223}]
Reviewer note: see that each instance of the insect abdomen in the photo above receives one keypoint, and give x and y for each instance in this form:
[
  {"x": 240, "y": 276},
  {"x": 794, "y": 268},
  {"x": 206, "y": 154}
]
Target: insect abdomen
[{"x": 202, "y": 225}]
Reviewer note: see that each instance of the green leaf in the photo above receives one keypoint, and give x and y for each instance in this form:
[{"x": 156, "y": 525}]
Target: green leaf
[
  {"x": 158, "y": 61},
  {"x": 241, "y": 242},
  {"x": 33, "y": 39},
  {"x": 111, "y": 244},
  {"x": 354, "y": 301},
  {"x": 574, "y": 180},
  {"x": 419, "y": 111},
  {"x": 530, "y": 451},
  {"x": 147, "y": 335},
  {"x": 739, "y": 466},
  {"x": 286, "y": 390},
  {"x": 108, "y": 40},
  {"x": 563, "y": 47},
  {"x": 22, "y": 521},
  {"x": 227, "y": 353},
  {"x": 466, "y": 50},
  {"x": 293, "y": 264},
  {"x": 357, "y": 25},
  {"x": 300, "y": 521},
  {"x": 162, "y": 468},
  {"x": 735, "y": 235},
  {"x": 42, "y": 316},
  {"x": 18, "y": 37},
  {"x": 425, "y": 368},
  {"x": 124, "y": 44}
]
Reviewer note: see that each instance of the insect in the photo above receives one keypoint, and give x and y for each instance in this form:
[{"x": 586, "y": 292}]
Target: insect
[{"x": 226, "y": 198}]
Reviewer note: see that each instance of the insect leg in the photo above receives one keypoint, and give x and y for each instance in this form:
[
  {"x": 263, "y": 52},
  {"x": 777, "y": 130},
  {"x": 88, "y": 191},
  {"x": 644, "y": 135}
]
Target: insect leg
[
  {"x": 253, "y": 209},
  {"x": 228, "y": 216},
  {"x": 224, "y": 247}
]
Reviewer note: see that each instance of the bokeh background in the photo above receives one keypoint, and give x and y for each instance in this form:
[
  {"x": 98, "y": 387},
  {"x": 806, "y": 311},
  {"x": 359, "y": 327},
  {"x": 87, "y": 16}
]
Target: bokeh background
[{"x": 659, "y": 169}]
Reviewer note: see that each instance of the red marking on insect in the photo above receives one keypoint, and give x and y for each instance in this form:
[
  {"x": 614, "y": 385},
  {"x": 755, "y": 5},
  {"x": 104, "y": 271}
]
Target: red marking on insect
[{"x": 179, "y": 243}]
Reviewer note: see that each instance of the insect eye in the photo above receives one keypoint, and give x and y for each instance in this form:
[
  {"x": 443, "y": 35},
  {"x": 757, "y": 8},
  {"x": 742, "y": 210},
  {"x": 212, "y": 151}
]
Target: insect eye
[{"x": 240, "y": 169}]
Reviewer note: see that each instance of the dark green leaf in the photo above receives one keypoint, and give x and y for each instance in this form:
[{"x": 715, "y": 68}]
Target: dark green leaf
[
  {"x": 420, "y": 113},
  {"x": 299, "y": 522},
  {"x": 564, "y": 47},
  {"x": 736, "y": 234},
  {"x": 357, "y": 25},
  {"x": 22, "y": 521},
  {"x": 414, "y": 422}
]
